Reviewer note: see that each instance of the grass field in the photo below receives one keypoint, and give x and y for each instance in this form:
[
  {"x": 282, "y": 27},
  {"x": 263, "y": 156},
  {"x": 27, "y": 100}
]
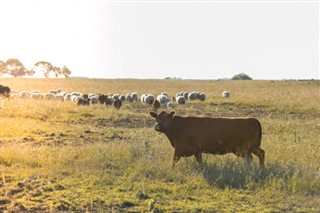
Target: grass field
[{"x": 56, "y": 156}]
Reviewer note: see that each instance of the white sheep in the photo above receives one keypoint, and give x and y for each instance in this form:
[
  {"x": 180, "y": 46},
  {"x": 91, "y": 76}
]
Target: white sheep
[
  {"x": 192, "y": 96},
  {"x": 67, "y": 97},
  {"x": 129, "y": 97},
  {"x": 169, "y": 105},
  {"x": 225, "y": 94},
  {"x": 134, "y": 96},
  {"x": 24, "y": 94},
  {"x": 93, "y": 99},
  {"x": 181, "y": 100},
  {"x": 163, "y": 98},
  {"x": 201, "y": 96},
  {"x": 49, "y": 96},
  {"x": 149, "y": 99}
]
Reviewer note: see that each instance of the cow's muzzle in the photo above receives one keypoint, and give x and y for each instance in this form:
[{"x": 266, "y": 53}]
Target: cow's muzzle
[{"x": 157, "y": 128}]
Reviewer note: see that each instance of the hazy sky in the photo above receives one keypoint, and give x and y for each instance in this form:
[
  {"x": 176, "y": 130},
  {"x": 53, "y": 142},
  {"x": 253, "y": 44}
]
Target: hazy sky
[{"x": 156, "y": 39}]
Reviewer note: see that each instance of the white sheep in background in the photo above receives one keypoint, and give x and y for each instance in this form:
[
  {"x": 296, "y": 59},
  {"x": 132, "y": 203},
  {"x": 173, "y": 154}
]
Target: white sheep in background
[
  {"x": 163, "y": 98},
  {"x": 201, "y": 96},
  {"x": 192, "y": 96},
  {"x": 67, "y": 97},
  {"x": 122, "y": 97},
  {"x": 149, "y": 99},
  {"x": 181, "y": 100},
  {"x": 55, "y": 92},
  {"x": 49, "y": 96},
  {"x": 129, "y": 97},
  {"x": 93, "y": 99},
  {"x": 169, "y": 105},
  {"x": 116, "y": 96},
  {"x": 60, "y": 97},
  {"x": 164, "y": 93},
  {"x": 143, "y": 97},
  {"x": 24, "y": 94},
  {"x": 225, "y": 94},
  {"x": 36, "y": 96},
  {"x": 185, "y": 95},
  {"x": 76, "y": 94},
  {"x": 134, "y": 96}
]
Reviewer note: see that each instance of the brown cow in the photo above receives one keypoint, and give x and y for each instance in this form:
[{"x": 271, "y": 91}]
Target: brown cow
[{"x": 195, "y": 135}]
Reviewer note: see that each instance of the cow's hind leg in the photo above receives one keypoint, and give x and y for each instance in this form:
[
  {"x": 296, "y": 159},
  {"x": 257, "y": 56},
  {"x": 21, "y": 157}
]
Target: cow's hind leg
[
  {"x": 248, "y": 158},
  {"x": 260, "y": 153},
  {"x": 198, "y": 157}
]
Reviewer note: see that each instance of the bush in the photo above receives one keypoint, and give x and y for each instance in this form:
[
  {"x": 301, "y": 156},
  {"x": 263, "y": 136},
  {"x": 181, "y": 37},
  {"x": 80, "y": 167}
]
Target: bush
[{"x": 241, "y": 76}]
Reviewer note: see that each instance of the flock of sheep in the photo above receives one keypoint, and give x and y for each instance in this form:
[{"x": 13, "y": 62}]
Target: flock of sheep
[{"x": 116, "y": 100}]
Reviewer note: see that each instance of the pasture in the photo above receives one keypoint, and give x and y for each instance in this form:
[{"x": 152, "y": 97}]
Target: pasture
[{"x": 57, "y": 156}]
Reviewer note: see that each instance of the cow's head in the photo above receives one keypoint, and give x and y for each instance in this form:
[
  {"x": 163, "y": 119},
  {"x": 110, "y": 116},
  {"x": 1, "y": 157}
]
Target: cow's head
[{"x": 162, "y": 120}]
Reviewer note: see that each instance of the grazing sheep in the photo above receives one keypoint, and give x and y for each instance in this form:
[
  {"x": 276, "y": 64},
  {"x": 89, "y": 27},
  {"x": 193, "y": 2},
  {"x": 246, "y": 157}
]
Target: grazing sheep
[
  {"x": 185, "y": 95},
  {"x": 225, "y": 94},
  {"x": 116, "y": 96},
  {"x": 55, "y": 92},
  {"x": 117, "y": 103},
  {"x": 82, "y": 102},
  {"x": 169, "y": 105},
  {"x": 122, "y": 97},
  {"x": 201, "y": 96},
  {"x": 163, "y": 99},
  {"x": 67, "y": 97},
  {"x": 149, "y": 99},
  {"x": 24, "y": 94},
  {"x": 109, "y": 100},
  {"x": 60, "y": 97},
  {"x": 129, "y": 97},
  {"x": 142, "y": 98},
  {"x": 36, "y": 96},
  {"x": 134, "y": 96},
  {"x": 49, "y": 96},
  {"x": 165, "y": 94},
  {"x": 181, "y": 100},
  {"x": 94, "y": 99},
  {"x": 34, "y": 91},
  {"x": 192, "y": 96}
]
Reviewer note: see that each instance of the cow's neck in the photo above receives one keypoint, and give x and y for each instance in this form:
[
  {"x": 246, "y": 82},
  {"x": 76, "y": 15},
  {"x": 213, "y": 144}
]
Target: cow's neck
[{"x": 171, "y": 131}]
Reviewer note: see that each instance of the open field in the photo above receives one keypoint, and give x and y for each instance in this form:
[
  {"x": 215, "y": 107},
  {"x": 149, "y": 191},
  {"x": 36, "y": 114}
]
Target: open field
[{"x": 56, "y": 156}]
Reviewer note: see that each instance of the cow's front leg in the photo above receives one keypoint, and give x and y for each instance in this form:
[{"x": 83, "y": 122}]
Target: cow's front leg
[
  {"x": 198, "y": 157},
  {"x": 176, "y": 158}
]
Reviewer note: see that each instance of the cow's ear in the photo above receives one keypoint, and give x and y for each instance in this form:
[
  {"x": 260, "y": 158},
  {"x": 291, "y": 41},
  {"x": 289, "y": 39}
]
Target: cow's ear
[
  {"x": 153, "y": 114},
  {"x": 171, "y": 114}
]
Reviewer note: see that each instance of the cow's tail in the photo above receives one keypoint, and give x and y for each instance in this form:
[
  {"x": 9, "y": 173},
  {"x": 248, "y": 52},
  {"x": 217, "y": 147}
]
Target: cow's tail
[{"x": 259, "y": 133}]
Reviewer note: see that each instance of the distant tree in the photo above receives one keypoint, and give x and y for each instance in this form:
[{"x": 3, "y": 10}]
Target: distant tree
[
  {"x": 65, "y": 71},
  {"x": 46, "y": 68},
  {"x": 43, "y": 67},
  {"x": 2, "y": 68},
  {"x": 241, "y": 76},
  {"x": 15, "y": 68},
  {"x": 57, "y": 71}
]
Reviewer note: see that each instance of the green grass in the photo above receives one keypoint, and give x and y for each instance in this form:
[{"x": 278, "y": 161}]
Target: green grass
[{"x": 55, "y": 156}]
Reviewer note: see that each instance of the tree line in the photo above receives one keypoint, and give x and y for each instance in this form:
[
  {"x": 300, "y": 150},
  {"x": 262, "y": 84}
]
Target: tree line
[{"x": 15, "y": 68}]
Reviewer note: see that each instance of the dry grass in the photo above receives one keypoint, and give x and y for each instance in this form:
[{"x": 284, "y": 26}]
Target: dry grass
[{"x": 57, "y": 156}]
